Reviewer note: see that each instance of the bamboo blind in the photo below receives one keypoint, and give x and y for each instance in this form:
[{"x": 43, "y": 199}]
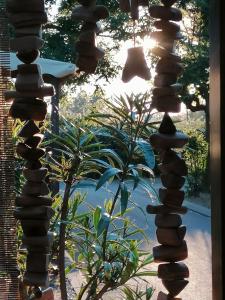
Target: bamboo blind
[{"x": 8, "y": 265}]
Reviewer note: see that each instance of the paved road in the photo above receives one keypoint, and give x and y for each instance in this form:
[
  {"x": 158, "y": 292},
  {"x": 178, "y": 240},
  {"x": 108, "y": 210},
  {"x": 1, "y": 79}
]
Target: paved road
[{"x": 198, "y": 238}]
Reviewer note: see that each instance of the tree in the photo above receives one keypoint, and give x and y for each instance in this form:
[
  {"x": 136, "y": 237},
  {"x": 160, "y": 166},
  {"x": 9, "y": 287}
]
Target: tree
[{"x": 195, "y": 49}]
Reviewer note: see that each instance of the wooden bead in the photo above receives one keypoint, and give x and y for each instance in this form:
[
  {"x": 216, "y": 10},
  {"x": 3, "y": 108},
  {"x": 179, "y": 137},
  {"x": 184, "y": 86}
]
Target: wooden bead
[
  {"x": 136, "y": 65},
  {"x": 47, "y": 295},
  {"x": 170, "y": 254},
  {"x": 166, "y": 91},
  {"x": 172, "y": 181},
  {"x": 87, "y": 64},
  {"x": 44, "y": 91},
  {"x": 163, "y": 209},
  {"x": 177, "y": 167},
  {"x": 143, "y": 2},
  {"x": 28, "y": 130},
  {"x": 101, "y": 12},
  {"x": 35, "y": 188},
  {"x": 25, "y": 69},
  {"x": 124, "y": 5},
  {"x": 166, "y": 65},
  {"x": 168, "y": 27},
  {"x": 45, "y": 241},
  {"x": 168, "y": 44},
  {"x": 162, "y": 52},
  {"x": 165, "y": 13},
  {"x": 34, "y": 141},
  {"x": 35, "y": 30},
  {"x": 35, "y": 213},
  {"x": 36, "y": 279},
  {"x": 88, "y": 36},
  {"x": 162, "y": 36},
  {"x": 134, "y": 9},
  {"x": 165, "y": 79},
  {"x": 174, "y": 287},
  {"x": 29, "y": 153},
  {"x": 96, "y": 27},
  {"x": 33, "y": 165},
  {"x": 163, "y": 296},
  {"x": 168, "y": 2},
  {"x": 35, "y": 227},
  {"x": 26, "y": 19},
  {"x": 35, "y": 175},
  {"x": 25, "y": 6},
  {"x": 171, "y": 197},
  {"x": 36, "y": 110},
  {"x": 168, "y": 156},
  {"x": 173, "y": 271},
  {"x": 171, "y": 236},
  {"x": 26, "y": 44},
  {"x": 87, "y": 49},
  {"x": 29, "y": 79},
  {"x": 168, "y": 221},
  {"x": 28, "y": 201},
  {"x": 167, "y": 126},
  {"x": 87, "y": 2},
  {"x": 164, "y": 141},
  {"x": 37, "y": 262},
  {"x": 28, "y": 57},
  {"x": 88, "y": 14}
]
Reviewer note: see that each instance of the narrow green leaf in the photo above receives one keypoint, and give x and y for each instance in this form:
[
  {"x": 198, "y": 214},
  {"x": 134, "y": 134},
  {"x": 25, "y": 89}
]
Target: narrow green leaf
[
  {"x": 103, "y": 224},
  {"x": 97, "y": 216},
  {"x": 125, "y": 194},
  {"x": 146, "y": 273},
  {"x": 147, "y": 151},
  {"x": 148, "y": 260},
  {"x": 106, "y": 176}
]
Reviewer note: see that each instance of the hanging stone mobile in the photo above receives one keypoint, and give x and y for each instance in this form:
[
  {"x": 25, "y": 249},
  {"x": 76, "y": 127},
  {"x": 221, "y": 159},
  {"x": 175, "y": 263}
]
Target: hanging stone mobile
[
  {"x": 170, "y": 231},
  {"x": 88, "y": 54},
  {"x": 136, "y": 64},
  {"x": 33, "y": 204}
]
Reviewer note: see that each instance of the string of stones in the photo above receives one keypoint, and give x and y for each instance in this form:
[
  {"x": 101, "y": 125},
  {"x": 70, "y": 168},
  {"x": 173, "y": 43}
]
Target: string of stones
[
  {"x": 136, "y": 64},
  {"x": 170, "y": 231},
  {"x": 88, "y": 54},
  {"x": 33, "y": 204}
]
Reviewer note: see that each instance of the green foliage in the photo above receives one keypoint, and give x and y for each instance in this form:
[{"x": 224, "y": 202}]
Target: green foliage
[
  {"x": 135, "y": 294},
  {"x": 195, "y": 49},
  {"x": 105, "y": 266},
  {"x": 108, "y": 243},
  {"x": 196, "y": 155}
]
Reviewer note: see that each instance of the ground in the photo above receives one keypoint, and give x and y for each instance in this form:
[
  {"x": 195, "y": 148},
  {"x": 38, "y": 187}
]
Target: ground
[{"x": 198, "y": 239}]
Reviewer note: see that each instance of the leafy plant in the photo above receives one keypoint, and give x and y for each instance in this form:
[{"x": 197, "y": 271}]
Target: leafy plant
[
  {"x": 79, "y": 154},
  {"x": 196, "y": 155},
  {"x": 110, "y": 252}
]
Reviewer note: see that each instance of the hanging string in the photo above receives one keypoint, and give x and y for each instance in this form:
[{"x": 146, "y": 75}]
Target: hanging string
[{"x": 134, "y": 33}]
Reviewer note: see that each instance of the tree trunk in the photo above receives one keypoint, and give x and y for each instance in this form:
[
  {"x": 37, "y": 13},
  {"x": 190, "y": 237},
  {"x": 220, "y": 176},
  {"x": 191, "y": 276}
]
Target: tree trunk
[
  {"x": 55, "y": 125},
  {"x": 62, "y": 235}
]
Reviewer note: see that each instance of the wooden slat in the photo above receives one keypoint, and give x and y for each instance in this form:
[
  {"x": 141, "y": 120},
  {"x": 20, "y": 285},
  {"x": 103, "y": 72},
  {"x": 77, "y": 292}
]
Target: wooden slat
[
  {"x": 8, "y": 264},
  {"x": 217, "y": 145}
]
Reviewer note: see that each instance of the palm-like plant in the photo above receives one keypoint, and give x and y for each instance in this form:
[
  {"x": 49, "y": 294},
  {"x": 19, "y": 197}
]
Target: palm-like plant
[
  {"x": 109, "y": 150},
  {"x": 79, "y": 155}
]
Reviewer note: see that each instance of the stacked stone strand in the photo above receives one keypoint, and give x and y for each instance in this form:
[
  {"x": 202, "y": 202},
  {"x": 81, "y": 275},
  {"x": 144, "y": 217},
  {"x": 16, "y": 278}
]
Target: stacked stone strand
[
  {"x": 33, "y": 204},
  {"x": 132, "y": 7},
  {"x": 88, "y": 54},
  {"x": 170, "y": 231}
]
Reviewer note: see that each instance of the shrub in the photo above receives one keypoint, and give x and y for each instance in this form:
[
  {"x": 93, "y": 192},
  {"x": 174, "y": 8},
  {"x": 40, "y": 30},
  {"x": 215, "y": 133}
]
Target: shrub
[{"x": 196, "y": 156}]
